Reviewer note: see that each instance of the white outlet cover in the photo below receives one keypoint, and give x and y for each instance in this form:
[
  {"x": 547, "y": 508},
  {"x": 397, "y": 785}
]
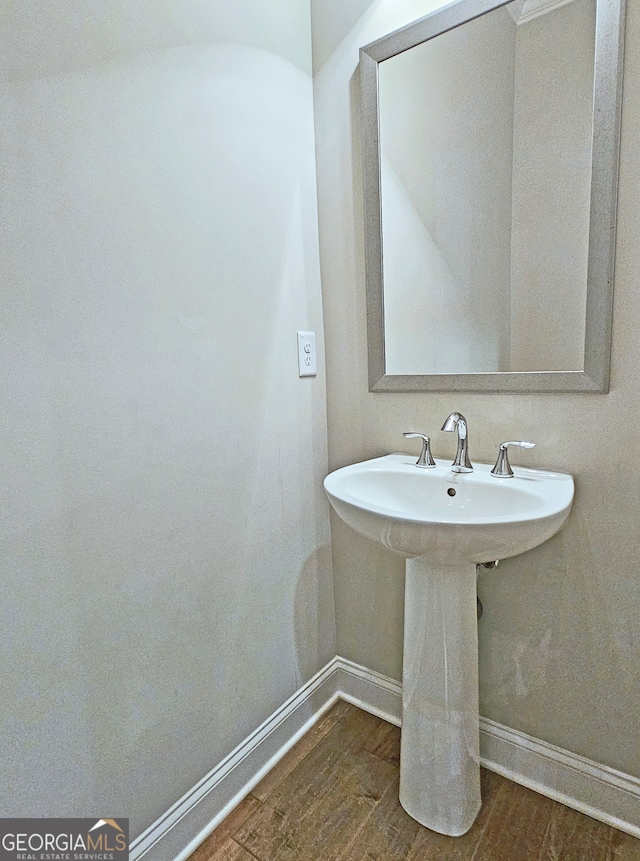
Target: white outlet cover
[{"x": 307, "y": 363}]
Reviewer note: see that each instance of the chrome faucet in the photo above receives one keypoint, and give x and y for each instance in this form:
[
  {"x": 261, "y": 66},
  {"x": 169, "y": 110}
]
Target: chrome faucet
[{"x": 461, "y": 463}]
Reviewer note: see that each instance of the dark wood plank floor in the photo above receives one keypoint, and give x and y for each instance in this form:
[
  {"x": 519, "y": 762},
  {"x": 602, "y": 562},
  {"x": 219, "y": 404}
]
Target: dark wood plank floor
[{"x": 334, "y": 797}]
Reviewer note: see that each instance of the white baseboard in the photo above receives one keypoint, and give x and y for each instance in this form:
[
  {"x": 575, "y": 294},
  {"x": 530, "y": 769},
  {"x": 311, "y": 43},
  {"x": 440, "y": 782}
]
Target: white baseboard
[
  {"x": 178, "y": 833},
  {"x": 598, "y": 791}
]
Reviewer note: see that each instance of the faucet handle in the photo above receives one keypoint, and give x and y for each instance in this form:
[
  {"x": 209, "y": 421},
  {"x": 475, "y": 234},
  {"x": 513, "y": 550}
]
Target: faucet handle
[
  {"x": 425, "y": 461},
  {"x": 502, "y": 469}
]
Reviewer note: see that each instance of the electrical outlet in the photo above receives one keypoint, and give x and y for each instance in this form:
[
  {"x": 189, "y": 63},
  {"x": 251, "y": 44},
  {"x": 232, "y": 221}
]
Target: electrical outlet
[{"x": 307, "y": 366}]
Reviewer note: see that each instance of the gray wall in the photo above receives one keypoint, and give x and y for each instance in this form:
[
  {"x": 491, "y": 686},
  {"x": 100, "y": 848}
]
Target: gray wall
[
  {"x": 560, "y": 637},
  {"x": 166, "y": 579}
]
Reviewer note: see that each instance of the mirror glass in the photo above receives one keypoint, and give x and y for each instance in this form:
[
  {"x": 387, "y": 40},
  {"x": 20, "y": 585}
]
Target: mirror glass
[{"x": 487, "y": 268}]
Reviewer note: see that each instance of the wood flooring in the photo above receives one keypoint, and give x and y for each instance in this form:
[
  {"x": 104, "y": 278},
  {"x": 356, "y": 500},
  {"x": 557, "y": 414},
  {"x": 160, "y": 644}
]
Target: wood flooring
[{"x": 334, "y": 797}]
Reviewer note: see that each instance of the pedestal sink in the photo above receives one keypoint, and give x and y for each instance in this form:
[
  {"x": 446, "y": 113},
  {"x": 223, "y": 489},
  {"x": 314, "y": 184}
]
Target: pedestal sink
[{"x": 444, "y": 523}]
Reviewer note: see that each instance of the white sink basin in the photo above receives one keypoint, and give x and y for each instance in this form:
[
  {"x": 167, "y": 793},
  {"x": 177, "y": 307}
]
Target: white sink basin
[
  {"x": 450, "y": 516},
  {"x": 445, "y": 523}
]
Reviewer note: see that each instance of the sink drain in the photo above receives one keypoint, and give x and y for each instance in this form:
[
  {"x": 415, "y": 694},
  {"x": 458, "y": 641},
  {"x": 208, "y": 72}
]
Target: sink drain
[{"x": 451, "y": 491}]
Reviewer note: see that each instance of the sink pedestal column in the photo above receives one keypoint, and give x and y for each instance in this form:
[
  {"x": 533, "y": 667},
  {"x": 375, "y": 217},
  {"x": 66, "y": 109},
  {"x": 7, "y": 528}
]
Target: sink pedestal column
[{"x": 440, "y": 756}]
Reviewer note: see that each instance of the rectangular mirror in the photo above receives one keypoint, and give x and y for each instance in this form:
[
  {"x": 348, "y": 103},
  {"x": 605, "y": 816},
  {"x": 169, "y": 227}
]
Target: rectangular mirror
[{"x": 490, "y": 161}]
